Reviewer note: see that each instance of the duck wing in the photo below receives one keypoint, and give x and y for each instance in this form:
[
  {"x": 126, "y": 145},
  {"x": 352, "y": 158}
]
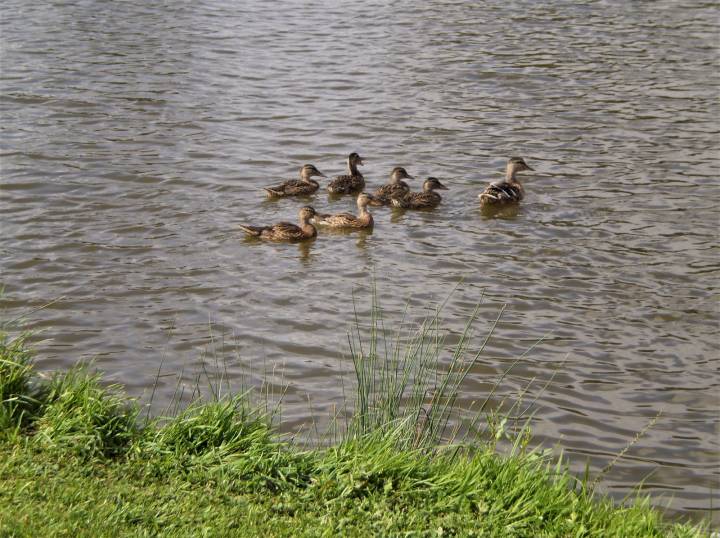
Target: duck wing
[
  {"x": 501, "y": 193},
  {"x": 341, "y": 219},
  {"x": 417, "y": 200},
  {"x": 426, "y": 199},
  {"x": 293, "y": 187},
  {"x": 283, "y": 231},
  {"x": 384, "y": 194},
  {"x": 346, "y": 184},
  {"x": 346, "y": 220}
]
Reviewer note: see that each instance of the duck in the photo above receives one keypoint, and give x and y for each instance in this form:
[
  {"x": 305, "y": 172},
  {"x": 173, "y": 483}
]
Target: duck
[
  {"x": 427, "y": 199},
  {"x": 397, "y": 188},
  {"x": 286, "y": 231},
  {"x": 353, "y": 181},
  {"x": 508, "y": 191},
  {"x": 297, "y": 187},
  {"x": 347, "y": 220}
]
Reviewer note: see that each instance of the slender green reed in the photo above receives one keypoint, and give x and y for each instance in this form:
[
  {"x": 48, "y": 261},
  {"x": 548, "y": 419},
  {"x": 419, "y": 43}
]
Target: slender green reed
[{"x": 409, "y": 380}]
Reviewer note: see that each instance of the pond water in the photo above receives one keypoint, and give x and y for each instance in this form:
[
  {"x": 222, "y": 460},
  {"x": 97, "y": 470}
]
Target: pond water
[{"x": 136, "y": 137}]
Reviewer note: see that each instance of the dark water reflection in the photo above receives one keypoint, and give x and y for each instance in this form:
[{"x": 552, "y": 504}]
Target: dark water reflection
[{"x": 135, "y": 138}]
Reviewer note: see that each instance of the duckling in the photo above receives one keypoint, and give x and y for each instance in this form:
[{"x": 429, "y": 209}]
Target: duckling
[
  {"x": 348, "y": 220},
  {"x": 397, "y": 188},
  {"x": 508, "y": 191},
  {"x": 285, "y": 231},
  {"x": 422, "y": 200},
  {"x": 297, "y": 187},
  {"x": 353, "y": 181}
]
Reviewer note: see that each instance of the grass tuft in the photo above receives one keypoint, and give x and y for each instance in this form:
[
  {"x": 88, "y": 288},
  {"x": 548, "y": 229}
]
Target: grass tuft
[
  {"x": 226, "y": 426},
  {"x": 82, "y": 418},
  {"x": 17, "y": 401},
  {"x": 230, "y": 431}
]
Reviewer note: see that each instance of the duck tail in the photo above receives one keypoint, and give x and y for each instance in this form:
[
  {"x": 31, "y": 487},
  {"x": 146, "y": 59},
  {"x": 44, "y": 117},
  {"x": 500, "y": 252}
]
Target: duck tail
[
  {"x": 253, "y": 231},
  {"x": 271, "y": 193},
  {"x": 321, "y": 218},
  {"x": 488, "y": 199},
  {"x": 399, "y": 202}
]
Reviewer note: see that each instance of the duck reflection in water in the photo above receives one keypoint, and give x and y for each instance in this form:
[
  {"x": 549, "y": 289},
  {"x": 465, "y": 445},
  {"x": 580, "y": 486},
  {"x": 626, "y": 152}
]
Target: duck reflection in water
[{"x": 500, "y": 211}]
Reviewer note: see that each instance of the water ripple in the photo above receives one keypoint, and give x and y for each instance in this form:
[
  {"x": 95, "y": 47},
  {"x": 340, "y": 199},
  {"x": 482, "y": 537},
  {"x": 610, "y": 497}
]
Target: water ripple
[{"x": 135, "y": 139}]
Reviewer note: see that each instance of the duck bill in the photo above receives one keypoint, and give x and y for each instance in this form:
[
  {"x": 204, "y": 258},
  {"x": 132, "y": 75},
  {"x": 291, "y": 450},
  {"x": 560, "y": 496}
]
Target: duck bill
[
  {"x": 320, "y": 174},
  {"x": 441, "y": 186},
  {"x": 529, "y": 168}
]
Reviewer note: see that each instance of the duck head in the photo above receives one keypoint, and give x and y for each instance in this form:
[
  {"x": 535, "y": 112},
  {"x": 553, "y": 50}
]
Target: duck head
[
  {"x": 309, "y": 170},
  {"x": 353, "y": 161},
  {"x": 515, "y": 165},
  {"x": 398, "y": 174},
  {"x": 364, "y": 199},
  {"x": 306, "y": 213},
  {"x": 433, "y": 184}
]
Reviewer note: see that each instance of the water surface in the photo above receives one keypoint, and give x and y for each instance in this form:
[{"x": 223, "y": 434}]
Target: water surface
[{"x": 136, "y": 137}]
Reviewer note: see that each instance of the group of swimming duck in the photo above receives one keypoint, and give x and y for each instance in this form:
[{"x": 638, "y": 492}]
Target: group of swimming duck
[{"x": 396, "y": 193}]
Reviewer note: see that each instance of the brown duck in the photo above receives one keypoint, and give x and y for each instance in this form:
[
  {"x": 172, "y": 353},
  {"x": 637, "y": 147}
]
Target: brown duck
[
  {"x": 351, "y": 182},
  {"x": 297, "y": 187},
  {"x": 510, "y": 190},
  {"x": 286, "y": 231},
  {"x": 397, "y": 188},
  {"x": 347, "y": 220},
  {"x": 427, "y": 199}
]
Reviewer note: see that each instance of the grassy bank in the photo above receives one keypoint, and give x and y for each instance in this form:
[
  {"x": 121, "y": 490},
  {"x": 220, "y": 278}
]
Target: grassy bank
[{"x": 75, "y": 460}]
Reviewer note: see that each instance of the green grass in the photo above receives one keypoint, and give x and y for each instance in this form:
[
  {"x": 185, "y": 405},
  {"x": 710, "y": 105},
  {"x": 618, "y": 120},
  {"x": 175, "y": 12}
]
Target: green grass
[
  {"x": 16, "y": 394},
  {"x": 79, "y": 417},
  {"x": 358, "y": 489},
  {"x": 75, "y": 460}
]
